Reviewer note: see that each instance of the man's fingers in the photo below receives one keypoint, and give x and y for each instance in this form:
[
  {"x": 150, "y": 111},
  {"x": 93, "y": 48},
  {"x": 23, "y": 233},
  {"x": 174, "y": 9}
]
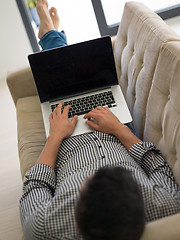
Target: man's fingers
[
  {"x": 92, "y": 125},
  {"x": 95, "y": 112},
  {"x": 74, "y": 120},
  {"x": 91, "y": 114},
  {"x": 99, "y": 108},
  {"x": 54, "y": 112},
  {"x": 66, "y": 110},
  {"x": 59, "y": 107},
  {"x": 50, "y": 116}
]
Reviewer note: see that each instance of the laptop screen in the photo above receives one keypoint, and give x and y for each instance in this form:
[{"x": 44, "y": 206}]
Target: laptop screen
[{"x": 74, "y": 69}]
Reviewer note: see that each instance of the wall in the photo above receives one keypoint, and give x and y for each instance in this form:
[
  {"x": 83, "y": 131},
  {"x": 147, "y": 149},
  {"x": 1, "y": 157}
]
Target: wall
[
  {"x": 14, "y": 43},
  {"x": 14, "y": 48}
]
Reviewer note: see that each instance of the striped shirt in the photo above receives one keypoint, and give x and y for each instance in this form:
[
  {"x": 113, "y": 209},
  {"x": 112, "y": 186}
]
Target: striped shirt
[{"x": 48, "y": 203}]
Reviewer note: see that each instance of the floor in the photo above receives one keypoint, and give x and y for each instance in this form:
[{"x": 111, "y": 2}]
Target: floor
[{"x": 10, "y": 178}]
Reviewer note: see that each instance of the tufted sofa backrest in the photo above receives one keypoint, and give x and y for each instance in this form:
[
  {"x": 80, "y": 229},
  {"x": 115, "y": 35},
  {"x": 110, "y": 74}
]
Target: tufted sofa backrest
[
  {"x": 147, "y": 59},
  {"x": 162, "y": 124}
]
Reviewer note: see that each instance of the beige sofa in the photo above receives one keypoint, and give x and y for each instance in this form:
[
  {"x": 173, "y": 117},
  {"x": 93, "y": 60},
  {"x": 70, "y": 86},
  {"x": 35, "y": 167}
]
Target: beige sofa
[{"x": 147, "y": 55}]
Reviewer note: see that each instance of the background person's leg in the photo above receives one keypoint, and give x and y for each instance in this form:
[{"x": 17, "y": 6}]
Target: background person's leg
[
  {"x": 48, "y": 34},
  {"x": 53, "y": 39}
]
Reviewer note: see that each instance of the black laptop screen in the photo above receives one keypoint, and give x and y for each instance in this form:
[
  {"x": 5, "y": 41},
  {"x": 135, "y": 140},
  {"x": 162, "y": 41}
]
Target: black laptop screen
[{"x": 73, "y": 69}]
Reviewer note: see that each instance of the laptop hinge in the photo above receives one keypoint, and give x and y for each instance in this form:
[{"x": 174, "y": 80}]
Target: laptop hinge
[{"x": 80, "y": 93}]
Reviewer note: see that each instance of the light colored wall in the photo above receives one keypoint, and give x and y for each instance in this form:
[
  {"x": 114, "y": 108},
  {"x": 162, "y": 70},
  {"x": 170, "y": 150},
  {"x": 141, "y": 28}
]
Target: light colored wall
[
  {"x": 14, "y": 48},
  {"x": 14, "y": 43}
]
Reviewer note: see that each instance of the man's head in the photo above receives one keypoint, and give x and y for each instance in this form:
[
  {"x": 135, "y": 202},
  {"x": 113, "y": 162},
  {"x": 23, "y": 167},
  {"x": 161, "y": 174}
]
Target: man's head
[{"x": 110, "y": 206}]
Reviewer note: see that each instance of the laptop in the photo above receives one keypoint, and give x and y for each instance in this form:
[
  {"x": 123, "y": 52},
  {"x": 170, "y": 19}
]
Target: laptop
[{"x": 83, "y": 75}]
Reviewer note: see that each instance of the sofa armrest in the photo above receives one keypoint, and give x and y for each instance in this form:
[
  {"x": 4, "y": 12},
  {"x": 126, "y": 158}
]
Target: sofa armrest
[
  {"x": 21, "y": 84},
  {"x": 163, "y": 229}
]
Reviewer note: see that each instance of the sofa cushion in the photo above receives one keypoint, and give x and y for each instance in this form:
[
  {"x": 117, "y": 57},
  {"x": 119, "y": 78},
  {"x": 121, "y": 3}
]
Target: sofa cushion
[
  {"x": 136, "y": 50},
  {"x": 31, "y": 133}
]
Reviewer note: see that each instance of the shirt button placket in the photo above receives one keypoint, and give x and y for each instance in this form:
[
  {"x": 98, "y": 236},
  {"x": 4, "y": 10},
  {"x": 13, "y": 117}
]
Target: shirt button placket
[
  {"x": 99, "y": 144},
  {"x": 101, "y": 150}
]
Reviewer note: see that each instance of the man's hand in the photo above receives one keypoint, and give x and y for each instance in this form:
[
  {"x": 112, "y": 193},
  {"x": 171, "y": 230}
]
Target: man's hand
[
  {"x": 107, "y": 122},
  {"x": 60, "y": 126}
]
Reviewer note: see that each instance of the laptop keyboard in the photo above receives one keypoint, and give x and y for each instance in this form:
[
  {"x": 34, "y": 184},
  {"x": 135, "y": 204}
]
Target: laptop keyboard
[{"x": 84, "y": 105}]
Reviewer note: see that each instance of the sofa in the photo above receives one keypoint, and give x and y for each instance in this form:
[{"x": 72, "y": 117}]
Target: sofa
[{"x": 147, "y": 57}]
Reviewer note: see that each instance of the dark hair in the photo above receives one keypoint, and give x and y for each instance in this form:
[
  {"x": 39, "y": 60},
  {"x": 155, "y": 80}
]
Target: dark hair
[{"x": 110, "y": 206}]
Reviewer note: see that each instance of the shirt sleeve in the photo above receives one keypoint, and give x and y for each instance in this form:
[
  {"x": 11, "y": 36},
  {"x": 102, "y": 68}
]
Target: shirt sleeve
[
  {"x": 39, "y": 187},
  {"x": 147, "y": 156},
  {"x": 157, "y": 183},
  {"x": 150, "y": 159}
]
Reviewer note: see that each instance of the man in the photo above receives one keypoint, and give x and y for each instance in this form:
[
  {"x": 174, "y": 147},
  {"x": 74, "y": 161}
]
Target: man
[{"x": 101, "y": 185}]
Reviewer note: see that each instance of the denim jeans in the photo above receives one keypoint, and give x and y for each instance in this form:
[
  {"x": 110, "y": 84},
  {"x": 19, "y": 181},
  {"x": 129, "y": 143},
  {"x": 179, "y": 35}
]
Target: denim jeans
[{"x": 53, "y": 39}]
